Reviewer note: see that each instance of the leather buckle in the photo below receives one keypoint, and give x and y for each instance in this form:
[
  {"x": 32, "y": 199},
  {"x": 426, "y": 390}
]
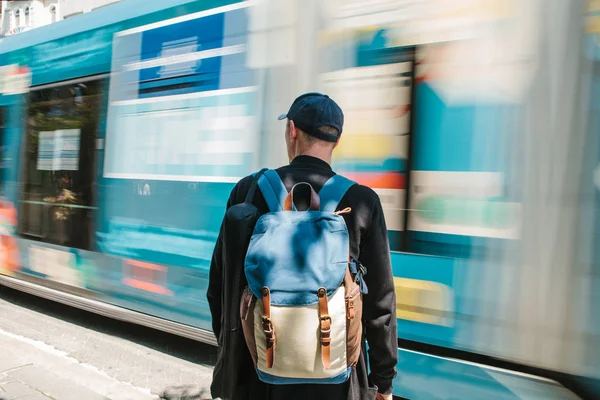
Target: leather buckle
[
  {"x": 325, "y": 332},
  {"x": 267, "y": 326},
  {"x": 350, "y": 308}
]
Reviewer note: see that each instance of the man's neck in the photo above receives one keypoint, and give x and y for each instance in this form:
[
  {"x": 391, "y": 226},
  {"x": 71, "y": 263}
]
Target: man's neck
[{"x": 321, "y": 154}]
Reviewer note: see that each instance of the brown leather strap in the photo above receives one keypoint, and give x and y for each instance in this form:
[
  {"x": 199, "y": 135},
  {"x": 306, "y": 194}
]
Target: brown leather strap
[
  {"x": 325, "y": 328},
  {"x": 315, "y": 201},
  {"x": 267, "y": 325}
]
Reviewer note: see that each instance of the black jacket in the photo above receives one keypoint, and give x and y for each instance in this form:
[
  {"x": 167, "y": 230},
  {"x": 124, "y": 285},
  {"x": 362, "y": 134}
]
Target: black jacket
[{"x": 368, "y": 242}]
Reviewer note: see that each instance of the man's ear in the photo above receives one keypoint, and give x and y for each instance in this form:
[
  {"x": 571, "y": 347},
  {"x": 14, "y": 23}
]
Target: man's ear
[
  {"x": 293, "y": 131},
  {"x": 336, "y": 143}
]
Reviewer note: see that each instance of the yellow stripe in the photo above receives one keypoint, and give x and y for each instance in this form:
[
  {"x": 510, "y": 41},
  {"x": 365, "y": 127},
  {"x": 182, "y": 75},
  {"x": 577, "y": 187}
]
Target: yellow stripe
[
  {"x": 423, "y": 301},
  {"x": 593, "y": 6},
  {"x": 370, "y": 147},
  {"x": 592, "y": 24}
]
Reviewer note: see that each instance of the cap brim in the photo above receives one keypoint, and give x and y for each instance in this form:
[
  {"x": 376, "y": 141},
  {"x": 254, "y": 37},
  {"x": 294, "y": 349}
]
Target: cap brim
[{"x": 282, "y": 116}]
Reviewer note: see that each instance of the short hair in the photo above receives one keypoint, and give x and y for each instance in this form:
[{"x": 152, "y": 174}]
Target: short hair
[{"x": 330, "y": 130}]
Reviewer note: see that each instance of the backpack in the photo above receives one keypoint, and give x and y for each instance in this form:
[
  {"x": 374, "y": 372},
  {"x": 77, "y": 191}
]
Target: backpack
[{"x": 301, "y": 312}]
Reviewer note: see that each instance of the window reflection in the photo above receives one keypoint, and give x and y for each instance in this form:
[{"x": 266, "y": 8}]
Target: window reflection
[{"x": 59, "y": 166}]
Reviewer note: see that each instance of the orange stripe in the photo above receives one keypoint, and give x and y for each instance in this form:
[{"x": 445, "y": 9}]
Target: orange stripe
[
  {"x": 147, "y": 286},
  {"x": 8, "y": 211},
  {"x": 388, "y": 180},
  {"x": 146, "y": 265}
]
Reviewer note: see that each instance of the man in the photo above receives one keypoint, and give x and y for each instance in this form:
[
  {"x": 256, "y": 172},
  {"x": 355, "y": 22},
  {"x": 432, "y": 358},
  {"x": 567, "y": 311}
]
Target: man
[{"x": 313, "y": 130}]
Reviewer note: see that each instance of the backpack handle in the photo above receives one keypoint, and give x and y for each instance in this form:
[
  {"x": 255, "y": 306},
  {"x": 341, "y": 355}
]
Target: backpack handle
[{"x": 304, "y": 190}]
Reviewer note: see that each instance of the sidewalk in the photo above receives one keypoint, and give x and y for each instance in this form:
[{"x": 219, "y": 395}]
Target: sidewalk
[{"x": 32, "y": 370}]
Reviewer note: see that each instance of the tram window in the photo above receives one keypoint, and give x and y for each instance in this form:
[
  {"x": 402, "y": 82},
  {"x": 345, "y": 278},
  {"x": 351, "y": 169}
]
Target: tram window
[{"x": 59, "y": 164}]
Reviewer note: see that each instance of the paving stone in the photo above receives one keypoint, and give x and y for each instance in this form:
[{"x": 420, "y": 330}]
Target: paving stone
[
  {"x": 17, "y": 390},
  {"x": 56, "y": 387}
]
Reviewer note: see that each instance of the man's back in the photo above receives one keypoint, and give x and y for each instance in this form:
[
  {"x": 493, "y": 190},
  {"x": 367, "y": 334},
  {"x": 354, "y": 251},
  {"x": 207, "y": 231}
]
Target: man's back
[
  {"x": 313, "y": 130},
  {"x": 369, "y": 244}
]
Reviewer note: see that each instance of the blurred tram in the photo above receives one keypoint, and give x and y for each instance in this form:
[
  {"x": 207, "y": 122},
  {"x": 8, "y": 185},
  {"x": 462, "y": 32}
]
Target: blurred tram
[{"x": 123, "y": 131}]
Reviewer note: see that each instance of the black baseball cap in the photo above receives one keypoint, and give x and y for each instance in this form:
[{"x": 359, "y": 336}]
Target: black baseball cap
[{"x": 313, "y": 110}]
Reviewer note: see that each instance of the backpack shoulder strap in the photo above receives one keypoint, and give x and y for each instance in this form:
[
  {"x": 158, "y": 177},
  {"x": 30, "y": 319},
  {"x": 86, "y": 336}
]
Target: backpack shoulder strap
[
  {"x": 252, "y": 190},
  {"x": 259, "y": 173},
  {"x": 332, "y": 192},
  {"x": 273, "y": 190}
]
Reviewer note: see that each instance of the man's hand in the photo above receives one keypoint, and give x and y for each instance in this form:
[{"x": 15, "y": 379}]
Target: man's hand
[{"x": 383, "y": 396}]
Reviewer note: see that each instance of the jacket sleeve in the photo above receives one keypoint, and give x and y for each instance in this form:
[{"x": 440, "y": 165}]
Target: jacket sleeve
[
  {"x": 215, "y": 278},
  {"x": 379, "y": 305}
]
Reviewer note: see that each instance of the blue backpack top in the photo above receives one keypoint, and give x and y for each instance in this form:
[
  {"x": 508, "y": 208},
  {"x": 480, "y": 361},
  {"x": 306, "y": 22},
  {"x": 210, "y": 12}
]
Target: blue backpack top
[{"x": 301, "y": 312}]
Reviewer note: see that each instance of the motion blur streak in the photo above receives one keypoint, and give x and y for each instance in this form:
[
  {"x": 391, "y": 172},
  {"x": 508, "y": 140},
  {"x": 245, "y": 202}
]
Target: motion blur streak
[{"x": 475, "y": 121}]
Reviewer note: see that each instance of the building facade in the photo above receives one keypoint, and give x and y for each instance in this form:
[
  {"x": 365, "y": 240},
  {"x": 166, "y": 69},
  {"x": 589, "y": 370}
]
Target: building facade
[{"x": 17, "y": 16}]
